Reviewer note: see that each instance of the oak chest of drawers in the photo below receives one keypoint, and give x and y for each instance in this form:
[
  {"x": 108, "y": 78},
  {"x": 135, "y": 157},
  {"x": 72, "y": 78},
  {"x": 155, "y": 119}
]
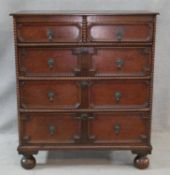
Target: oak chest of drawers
[{"x": 84, "y": 81}]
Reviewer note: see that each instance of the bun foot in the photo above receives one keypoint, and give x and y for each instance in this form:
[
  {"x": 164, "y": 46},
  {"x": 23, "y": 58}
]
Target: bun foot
[
  {"x": 28, "y": 162},
  {"x": 141, "y": 162}
]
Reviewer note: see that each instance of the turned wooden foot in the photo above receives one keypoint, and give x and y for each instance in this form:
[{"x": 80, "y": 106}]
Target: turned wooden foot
[
  {"x": 28, "y": 162},
  {"x": 141, "y": 162}
]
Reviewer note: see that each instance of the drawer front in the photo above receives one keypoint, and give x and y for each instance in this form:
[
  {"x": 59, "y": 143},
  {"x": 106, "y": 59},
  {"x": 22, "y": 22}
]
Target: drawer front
[
  {"x": 47, "y": 62},
  {"x": 122, "y": 61},
  {"x": 49, "y": 94},
  {"x": 122, "y": 127},
  {"x": 40, "y": 32},
  {"x": 42, "y": 128},
  {"x": 120, "y": 33},
  {"x": 119, "y": 94},
  {"x": 120, "y": 28}
]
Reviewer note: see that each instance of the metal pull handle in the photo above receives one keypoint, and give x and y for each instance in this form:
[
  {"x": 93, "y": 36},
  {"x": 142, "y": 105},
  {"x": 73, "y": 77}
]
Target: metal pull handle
[
  {"x": 119, "y": 63},
  {"x": 52, "y": 129},
  {"x": 117, "y": 128},
  {"x": 119, "y": 33},
  {"x": 51, "y": 96},
  {"x": 50, "y": 63},
  {"x": 50, "y": 34},
  {"x": 118, "y": 96}
]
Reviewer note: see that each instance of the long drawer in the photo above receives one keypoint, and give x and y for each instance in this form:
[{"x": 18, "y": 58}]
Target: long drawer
[
  {"x": 104, "y": 61},
  {"x": 72, "y": 94},
  {"x": 92, "y": 128}
]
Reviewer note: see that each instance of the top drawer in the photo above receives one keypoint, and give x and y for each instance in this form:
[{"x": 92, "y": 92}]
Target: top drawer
[
  {"x": 120, "y": 29},
  {"x": 49, "y": 29}
]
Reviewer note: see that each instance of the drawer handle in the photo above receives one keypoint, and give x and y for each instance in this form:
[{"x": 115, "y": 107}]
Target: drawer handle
[
  {"x": 50, "y": 63},
  {"x": 52, "y": 129},
  {"x": 119, "y": 33},
  {"x": 51, "y": 96},
  {"x": 117, "y": 128},
  {"x": 118, "y": 96},
  {"x": 119, "y": 63},
  {"x": 50, "y": 34}
]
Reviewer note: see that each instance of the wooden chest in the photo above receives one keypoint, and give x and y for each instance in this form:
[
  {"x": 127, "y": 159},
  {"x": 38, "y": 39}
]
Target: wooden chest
[{"x": 84, "y": 81}]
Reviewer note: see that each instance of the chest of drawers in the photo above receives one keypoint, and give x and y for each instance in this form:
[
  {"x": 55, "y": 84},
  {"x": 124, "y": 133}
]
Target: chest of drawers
[{"x": 84, "y": 81}]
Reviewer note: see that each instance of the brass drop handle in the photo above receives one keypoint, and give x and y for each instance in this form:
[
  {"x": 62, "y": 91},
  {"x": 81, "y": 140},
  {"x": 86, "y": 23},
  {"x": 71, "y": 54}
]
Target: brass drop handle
[
  {"x": 119, "y": 63},
  {"x": 52, "y": 129},
  {"x": 50, "y": 34},
  {"x": 50, "y": 62},
  {"x": 117, "y": 96},
  {"x": 119, "y": 33},
  {"x": 51, "y": 95},
  {"x": 117, "y": 128}
]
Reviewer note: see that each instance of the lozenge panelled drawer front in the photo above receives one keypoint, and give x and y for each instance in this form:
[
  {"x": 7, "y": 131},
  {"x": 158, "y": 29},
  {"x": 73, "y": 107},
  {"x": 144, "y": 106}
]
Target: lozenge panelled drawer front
[
  {"x": 119, "y": 127},
  {"x": 119, "y": 94},
  {"x": 47, "y": 61},
  {"x": 50, "y": 94},
  {"x": 121, "y": 61},
  {"x": 49, "y": 128},
  {"x": 97, "y": 61}
]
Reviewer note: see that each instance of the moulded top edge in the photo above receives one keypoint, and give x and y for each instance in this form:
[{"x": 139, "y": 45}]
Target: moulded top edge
[{"x": 108, "y": 12}]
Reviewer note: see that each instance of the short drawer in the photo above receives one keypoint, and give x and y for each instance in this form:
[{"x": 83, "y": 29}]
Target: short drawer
[
  {"x": 49, "y": 128},
  {"x": 122, "y": 61},
  {"x": 119, "y": 94},
  {"x": 119, "y": 127},
  {"x": 120, "y": 29},
  {"x": 48, "y": 32},
  {"x": 47, "y": 62},
  {"x": 49, "y": 94}
]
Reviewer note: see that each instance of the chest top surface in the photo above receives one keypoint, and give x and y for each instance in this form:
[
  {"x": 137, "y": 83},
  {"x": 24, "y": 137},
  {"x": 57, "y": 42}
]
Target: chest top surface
[{"x": 95, "y": 12}]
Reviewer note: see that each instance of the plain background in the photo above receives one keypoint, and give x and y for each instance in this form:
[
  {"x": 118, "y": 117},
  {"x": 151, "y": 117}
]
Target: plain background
[{"x": 161, "y": 97}]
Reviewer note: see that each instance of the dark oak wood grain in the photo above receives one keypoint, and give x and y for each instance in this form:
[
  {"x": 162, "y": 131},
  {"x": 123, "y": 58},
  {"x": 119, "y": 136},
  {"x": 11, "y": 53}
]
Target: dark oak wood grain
[
  {"x": 48, "y": 62},
  {"x": 84, "y": 81},
  {"x": 53, "y": 94},
  {"x": 120, "y": 32},
  {"x": 47, "y": 128},
  {"x": 121, "y": 61},
  {"x": 103, "y": 94},
  {"x": 50, "y": 32},
  {"x": 119, "y": 128}
]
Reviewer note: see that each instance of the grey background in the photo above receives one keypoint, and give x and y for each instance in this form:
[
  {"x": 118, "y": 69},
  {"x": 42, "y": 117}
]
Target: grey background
[
  {"x": 90, "y": 163},
  {"x": 161, "y": 98}
]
